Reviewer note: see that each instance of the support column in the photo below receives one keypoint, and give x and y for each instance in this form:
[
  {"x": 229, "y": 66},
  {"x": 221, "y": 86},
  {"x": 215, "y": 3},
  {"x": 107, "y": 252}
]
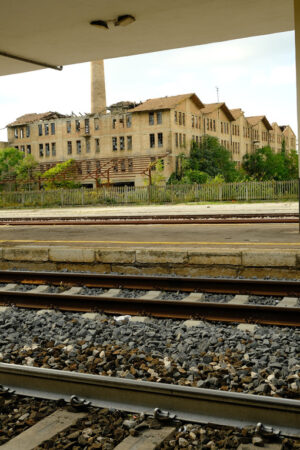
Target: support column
[
  {"x": 297, "y": 45},
  {"x": 98, "y": 95}
]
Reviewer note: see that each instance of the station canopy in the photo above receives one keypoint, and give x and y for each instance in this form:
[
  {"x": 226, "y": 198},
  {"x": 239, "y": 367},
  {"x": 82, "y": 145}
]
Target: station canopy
[{"x": 59, "y": 32}]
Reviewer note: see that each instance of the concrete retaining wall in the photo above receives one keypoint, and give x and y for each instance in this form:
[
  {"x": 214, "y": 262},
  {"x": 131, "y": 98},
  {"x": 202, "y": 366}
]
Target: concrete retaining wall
[{"x": 206, "y": 261}]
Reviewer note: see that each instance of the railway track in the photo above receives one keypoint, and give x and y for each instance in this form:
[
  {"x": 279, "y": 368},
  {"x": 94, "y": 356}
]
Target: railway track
[
  {"x": 204, "y": 406},
  {"x": 159, "y": 219},
  {"x": 64, "y": 291}
]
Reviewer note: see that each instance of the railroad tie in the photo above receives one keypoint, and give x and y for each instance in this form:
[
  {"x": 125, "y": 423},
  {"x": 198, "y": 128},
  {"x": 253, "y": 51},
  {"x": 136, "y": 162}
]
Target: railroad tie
[
  {"x": 40, "y": 289},
  {"x": 76, "y": 290},
  {"x": 239, "y": 299},
  {"x": 149, "y": 440},
  {"x": 111, "y": 293},
  {"x": 151, "y": 295},
  {"x": 43, "y": 430},
  {"x": 288, "y": 301},
  {"x": 194, "y": 297},
  {"x": 9, "y": 287}
]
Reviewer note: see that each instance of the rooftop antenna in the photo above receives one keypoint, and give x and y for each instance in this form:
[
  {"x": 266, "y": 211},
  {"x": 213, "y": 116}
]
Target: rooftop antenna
[{"x": 217, "y": 89}]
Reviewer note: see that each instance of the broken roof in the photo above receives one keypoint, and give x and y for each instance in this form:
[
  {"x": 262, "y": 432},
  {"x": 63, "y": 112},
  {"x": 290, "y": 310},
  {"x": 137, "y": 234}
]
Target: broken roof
[
  {"x": 253, "y": 120},
  {"x": 166, "y": 102},
  {"x": 211, "y": 107},
  {"x": 34, "y": 117}
]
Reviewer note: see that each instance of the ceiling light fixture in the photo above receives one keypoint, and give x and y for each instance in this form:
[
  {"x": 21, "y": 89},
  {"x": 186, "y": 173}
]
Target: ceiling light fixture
[{"x": 120, "y": 21}]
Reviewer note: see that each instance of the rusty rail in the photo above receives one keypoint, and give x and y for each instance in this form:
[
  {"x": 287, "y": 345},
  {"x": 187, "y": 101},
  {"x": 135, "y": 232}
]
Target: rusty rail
[
  {"x": 267, "y": 315},
  {"x": 284, "y": 288},
  {"x": 158, "y": 219}
]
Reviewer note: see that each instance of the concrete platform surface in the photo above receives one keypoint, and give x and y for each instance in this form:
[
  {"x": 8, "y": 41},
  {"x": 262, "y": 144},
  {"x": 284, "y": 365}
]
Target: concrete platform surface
[
  {"x": 213, "y": 208},
  {"x": 185, "y": 236}
]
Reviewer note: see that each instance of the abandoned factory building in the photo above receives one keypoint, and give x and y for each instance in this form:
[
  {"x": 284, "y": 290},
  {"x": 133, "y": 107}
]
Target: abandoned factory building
[{"x": 120, "y": 144}]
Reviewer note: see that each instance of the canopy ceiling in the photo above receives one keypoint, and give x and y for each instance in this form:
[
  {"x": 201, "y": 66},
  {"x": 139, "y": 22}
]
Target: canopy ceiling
[{"x": 59, "y": 32}]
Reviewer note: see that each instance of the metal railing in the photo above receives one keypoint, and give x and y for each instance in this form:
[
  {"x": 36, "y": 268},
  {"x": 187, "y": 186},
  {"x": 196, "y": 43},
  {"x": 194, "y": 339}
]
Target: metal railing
[{"x": 116, "y": 195}]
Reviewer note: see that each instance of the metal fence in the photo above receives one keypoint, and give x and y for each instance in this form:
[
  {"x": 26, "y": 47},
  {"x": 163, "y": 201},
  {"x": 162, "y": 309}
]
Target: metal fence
[{"x": 115, "y": 195}]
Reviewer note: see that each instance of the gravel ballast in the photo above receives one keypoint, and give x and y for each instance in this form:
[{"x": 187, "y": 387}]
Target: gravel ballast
[{"x": 213, "y": 355}]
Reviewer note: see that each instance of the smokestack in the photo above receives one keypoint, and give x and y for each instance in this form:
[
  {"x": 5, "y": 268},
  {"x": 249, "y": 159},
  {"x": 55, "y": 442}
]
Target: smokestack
[{"x": 98, "y": 95}]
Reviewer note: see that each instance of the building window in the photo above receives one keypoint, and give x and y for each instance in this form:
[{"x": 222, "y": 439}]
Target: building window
[
  {"x": 152, "y": 162},
  {"x": 179, "y": 118},
  {"x": 175, "y": 116},
  {"x": 52, "y": 128},
  {"x": 88, "y": 167},
  {"x": 96, "y": 123},
  {"x": 21, "y": 133},
  {"x": 180, "y": 140},
  {"x": 46, "y": 126},
  {"x": 98, "y": 165},
  {"x": 130, "y": 165},
  {"x": 214, "y": 125},
  {"x": 160, "y": 140},
  {"x": 115, "y": 167},
  {"x": 151, "y": 118},
  {"x": 183, "y": 140},
  {"x": 16, "y": 133},
  {"x": 193, "y": 121},
  {"x": 40, "y": 130},
  {"x": 53, "y": 149},
  {"x": 86, "y": 126},
  {"x": 114, "y": 121},
  {"x": 77, "y": 125},
  {"x": 68, "y": 125},
  {"x": 123, "y": 165},
  {"x": 122, "y": 143},
  {"x": 69, "y": 147},
  {"x": 78, "y": 147},
  {"x": 97, "y": 145},
  {"x": 129, "y": 142},
  {"x": 159, "y": 117},
  {"x": 23, "y": 148},
  {"x": 176, "y": 139},
  {"x": 114, "y": 144},
  {"x": 152, "y": 140},
  {"x": 16, "y": 146},
  {"x": 183, "y": 118},
  {"x": 121, "y": 120},
  {"x": 128, "y": 120},
  {"x": 79, "y": 169},
  {"x": 29, "y": 149},
  {"x": 41, "y": 148},
  {"x": 27, "y": 131},
  {"x": 88, "y": 146},
  {"x": 47, "y": 149}
]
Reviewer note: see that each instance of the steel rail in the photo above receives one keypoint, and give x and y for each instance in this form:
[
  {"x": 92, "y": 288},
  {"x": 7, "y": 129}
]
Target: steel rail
[
  {"x": 204, "y": 406},
  {"x": 154, "y": 216},
  {"x": 225, "y": 312},
  {"x": 284, "y": 288},
  {"x": 161, "y": 219}
]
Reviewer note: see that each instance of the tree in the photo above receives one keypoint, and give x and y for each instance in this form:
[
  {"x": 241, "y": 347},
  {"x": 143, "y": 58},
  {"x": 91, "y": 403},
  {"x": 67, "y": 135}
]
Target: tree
[
  {"x": 10, "y": 159},
  {"x": 207, "y": 160},
  {"x": 264, "y": 164},
  {"x": 61, "y": 176},
  {"x": 26, "y": 170}
]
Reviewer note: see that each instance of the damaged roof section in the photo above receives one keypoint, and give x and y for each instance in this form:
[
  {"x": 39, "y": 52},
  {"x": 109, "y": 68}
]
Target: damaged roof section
[{"x": 34, "y": 117}]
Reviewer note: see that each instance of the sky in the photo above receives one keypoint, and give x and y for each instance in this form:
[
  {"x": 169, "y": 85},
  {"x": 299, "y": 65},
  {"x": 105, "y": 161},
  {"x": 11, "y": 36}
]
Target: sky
[{"x": 256, "y": 74}]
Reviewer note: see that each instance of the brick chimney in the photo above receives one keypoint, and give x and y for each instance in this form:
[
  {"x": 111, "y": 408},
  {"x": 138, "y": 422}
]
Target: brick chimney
[{"x": 98, "y": 95}]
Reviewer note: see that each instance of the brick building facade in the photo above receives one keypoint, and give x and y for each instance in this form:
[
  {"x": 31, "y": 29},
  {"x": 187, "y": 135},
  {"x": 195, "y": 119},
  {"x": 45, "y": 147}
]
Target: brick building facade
[{"x": 120, "y": 144}]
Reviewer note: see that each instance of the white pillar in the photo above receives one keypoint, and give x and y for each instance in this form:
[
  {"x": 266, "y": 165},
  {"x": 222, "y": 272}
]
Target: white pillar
[{"x": 297, "y": 45}]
